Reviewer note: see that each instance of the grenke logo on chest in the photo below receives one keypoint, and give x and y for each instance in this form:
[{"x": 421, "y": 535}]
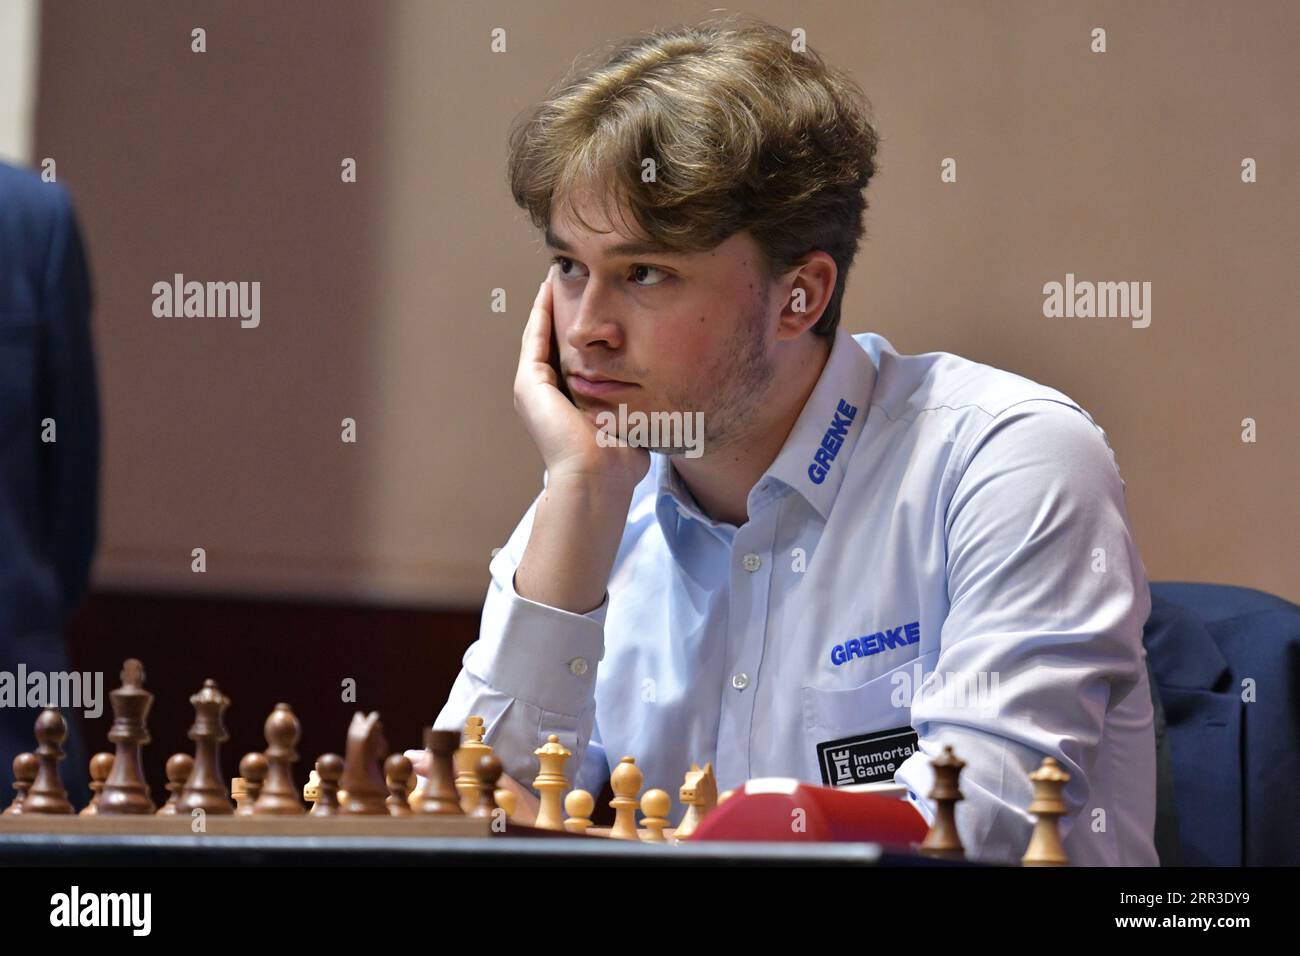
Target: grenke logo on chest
[{"x": 871, "y": 644}]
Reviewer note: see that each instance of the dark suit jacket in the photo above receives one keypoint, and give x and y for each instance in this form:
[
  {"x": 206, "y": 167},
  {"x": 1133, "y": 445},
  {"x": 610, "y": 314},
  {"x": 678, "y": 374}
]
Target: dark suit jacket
[
  {"x": 1235, "y": 762},
  {"x": 48, "y": 490}
]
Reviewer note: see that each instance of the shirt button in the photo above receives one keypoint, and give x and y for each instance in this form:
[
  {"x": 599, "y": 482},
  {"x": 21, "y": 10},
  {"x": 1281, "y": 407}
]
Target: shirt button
[
  {"x": 751, "y": 562},
  {"x": 740, "y": 681},
  {"x": 578, "y": 665}
]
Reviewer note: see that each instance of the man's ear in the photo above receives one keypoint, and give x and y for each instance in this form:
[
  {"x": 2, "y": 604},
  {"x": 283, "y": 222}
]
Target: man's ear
[{"x": 809, "y": 286}]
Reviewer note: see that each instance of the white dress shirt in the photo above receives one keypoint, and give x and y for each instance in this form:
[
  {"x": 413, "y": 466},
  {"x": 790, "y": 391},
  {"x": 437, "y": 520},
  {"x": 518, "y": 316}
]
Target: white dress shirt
[{"x": 940, "y": 554}]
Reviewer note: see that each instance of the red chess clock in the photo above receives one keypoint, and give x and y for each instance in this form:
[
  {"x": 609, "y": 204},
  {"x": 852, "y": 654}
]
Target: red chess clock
[{"x": 781, "y": 809}]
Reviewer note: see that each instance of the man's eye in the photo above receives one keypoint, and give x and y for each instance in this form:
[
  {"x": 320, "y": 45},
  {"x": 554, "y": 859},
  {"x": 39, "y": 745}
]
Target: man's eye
[
  {"x": 638, "y": 272},
  {"x": 560, "y": 261},
  {"x": 639, "y": 269}
]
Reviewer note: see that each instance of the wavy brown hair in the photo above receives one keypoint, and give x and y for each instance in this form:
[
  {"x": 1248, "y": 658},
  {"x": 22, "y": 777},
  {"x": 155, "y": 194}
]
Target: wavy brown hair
[{"x": 745, "y": 133}]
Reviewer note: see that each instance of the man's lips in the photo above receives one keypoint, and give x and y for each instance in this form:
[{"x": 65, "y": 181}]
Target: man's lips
[{"x": 585, "y": 386}]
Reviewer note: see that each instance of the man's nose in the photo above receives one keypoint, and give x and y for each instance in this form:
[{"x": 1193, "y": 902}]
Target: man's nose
[{"x": 596, "y": 320}]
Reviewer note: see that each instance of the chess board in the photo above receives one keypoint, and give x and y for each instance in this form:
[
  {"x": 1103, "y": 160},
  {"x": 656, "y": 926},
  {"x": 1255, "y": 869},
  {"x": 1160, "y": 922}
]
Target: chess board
[{"x": 371, "y": 801}]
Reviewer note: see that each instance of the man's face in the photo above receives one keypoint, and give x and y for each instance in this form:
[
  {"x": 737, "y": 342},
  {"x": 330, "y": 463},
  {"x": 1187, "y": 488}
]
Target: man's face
[{"x": 686, "y": 333}]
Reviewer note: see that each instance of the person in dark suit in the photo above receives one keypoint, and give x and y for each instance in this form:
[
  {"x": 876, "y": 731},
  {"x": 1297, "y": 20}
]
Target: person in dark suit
[
  {"x": 48, "y": 488},
  {"x": 1227, "y": 690}
]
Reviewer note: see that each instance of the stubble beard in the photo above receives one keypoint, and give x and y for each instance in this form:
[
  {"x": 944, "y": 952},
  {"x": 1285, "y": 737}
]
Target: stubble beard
[{"x": 737, "y": 386}]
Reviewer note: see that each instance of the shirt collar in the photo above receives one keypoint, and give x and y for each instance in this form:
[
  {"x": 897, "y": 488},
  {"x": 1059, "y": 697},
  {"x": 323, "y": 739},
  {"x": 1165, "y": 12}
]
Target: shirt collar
[{"x": 814, "y": 457}]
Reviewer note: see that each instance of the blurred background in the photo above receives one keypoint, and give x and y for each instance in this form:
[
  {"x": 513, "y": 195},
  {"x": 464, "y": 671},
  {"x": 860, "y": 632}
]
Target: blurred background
[{"x": 329, "y": 560}]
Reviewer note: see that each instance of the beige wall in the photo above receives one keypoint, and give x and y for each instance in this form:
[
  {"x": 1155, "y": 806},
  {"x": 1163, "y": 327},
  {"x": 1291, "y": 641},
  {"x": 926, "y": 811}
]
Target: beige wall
[
  {"x": 225, "y": 166},
  {"x": 18, "y": 40}
]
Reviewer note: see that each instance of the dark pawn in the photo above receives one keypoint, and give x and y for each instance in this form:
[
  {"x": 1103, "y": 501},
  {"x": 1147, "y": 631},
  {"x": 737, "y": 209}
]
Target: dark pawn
[
  {"x": 178, "y": 770},
  {"x": 126, "y": 791},
  {"x": 101, "y": 765},
  {"x": 252, "y": 770},
  {"x": 488, "y": 771},
  {"x": 439, "y": 795},
  {"x": 47, "y": 794},
  {"x": 279, "y": 796},
  {"x": 329, "y": 768},
  {"x": 26, "y": 767},
  {"x": 397, "y": 774},
  {"x": 205, "y": 790}
]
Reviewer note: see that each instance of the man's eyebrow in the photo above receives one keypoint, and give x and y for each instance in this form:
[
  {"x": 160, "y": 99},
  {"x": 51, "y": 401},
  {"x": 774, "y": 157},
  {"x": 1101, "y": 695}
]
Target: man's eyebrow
[{"x": 637, "y": 247}]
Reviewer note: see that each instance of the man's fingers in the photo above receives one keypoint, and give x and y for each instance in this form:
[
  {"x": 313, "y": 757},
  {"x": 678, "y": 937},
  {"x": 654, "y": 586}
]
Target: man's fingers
[
  {"x": 536, "y": 346},
  {"x": 419, "y": 761},
  {"x": 511, "y": 783},
  {"x": 526, "y": 802}
]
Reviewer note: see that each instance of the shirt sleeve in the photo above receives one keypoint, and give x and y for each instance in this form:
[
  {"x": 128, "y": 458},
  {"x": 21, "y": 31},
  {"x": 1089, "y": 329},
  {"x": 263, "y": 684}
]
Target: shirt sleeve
[
  {"x": 1043, "y": 637},
  {"x": 531, "y": 673}
]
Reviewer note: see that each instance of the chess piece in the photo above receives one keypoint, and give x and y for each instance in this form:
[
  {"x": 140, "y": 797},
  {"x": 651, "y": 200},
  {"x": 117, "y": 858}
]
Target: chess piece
[
  {"x": 488, "y": 772},
  {"x": 178, "y": 770},
  {"x": 362, "y": 778},
  {"x": 204, "y": 789},
  {"x": 438, "y": 796},
  {"x": 413, "y": 791},
  {"x": 46, "y": 794},
  {"x": 101, "y": 765},
  {"x": 466, "y": 759},
  {"x": 1045, "y": 846},
  {"x": 551, "y": 783},
  {"x": 655, "y": 806},
  {"x": 253, "y": 774},
  {"x": 725, "y": 795},
  {"x": 699, "y": 792},
  {"x": 279, "y": 796},
  {"x": 25, "y": 767},
  {"x": 626, "y": 782},
  {"x": 311, "y": 789},
  {"x": 507, "y": 800},
  {"x": 942, "y": 840},
  {"x": 397, "y": 774},
  {"x": 329, "y": 768},
  {"x": 578, "y": 805},
  {"x": 125, "y": 791}
]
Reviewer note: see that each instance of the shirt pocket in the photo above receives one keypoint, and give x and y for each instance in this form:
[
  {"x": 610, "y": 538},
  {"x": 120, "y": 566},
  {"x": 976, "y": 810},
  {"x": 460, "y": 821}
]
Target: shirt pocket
[
  {"x": 837, "y": 720},
  {"x": 882, "y": 703}
]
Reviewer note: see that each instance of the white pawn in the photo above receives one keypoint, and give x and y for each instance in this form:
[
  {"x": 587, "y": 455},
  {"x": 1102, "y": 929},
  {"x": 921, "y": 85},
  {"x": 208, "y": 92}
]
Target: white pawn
[
  {"x": 655, "y": 804},
  {"x": 578, "y": 805},
  {"x": 626, "y": 782}
]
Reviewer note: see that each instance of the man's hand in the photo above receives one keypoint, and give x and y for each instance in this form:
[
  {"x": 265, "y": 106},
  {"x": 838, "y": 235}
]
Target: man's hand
[
  {"x": 564, "y": 436},
  {"x": 526, "y": 802},
  {"x": 581, "y": 515}
]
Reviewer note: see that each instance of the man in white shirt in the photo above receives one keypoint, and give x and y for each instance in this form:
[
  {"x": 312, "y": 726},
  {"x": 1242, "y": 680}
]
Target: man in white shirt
[{"x": 874, "y": 555}]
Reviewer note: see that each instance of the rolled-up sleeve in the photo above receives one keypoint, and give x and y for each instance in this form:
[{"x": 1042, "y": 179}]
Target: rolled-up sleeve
[
  {"x": 1042, "y": 643},
  {"x": 532, "y": 671}
]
